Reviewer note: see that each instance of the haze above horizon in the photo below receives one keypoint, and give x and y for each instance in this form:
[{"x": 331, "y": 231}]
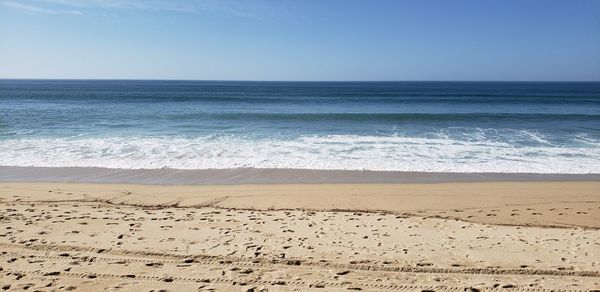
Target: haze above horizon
[{"x": 295, "y": 41}]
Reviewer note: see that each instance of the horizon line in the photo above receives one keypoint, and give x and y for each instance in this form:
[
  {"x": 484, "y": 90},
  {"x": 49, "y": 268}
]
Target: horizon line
[{"x": 255, "y": 80}]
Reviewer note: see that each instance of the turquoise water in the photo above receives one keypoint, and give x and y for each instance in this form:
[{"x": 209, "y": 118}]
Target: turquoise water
[{"x": 407, "y": 126}]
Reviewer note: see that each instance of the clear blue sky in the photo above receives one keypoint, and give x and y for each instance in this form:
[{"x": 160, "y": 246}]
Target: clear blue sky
[{"x": 301, "y": 40}]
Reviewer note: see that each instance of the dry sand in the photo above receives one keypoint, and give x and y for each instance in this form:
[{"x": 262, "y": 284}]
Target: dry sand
[{"x": 321, "y": 237}]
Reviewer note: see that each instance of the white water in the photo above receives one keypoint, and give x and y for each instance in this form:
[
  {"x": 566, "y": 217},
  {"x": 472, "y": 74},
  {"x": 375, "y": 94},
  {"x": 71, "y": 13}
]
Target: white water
[{"x": 350, "y": 152}]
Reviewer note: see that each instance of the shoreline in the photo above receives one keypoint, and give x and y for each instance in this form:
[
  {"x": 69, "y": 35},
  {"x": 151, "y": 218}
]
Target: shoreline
[{"x": 263, "y": 176}]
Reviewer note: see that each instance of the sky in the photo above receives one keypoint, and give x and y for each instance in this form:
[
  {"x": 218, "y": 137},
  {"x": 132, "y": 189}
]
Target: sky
[{"x": 521, "y": 40}]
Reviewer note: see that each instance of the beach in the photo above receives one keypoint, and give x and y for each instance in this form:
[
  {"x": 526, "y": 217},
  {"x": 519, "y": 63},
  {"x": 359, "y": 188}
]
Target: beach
[
  {"x": 183, "y": 185},
  {"x": 527, "y": 235},
  {"x": 226, "y": 145}
]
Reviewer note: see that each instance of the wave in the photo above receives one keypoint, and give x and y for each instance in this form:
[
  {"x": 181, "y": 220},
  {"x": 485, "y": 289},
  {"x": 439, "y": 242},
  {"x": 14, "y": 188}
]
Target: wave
[
  {"x": 351, "y": 152},
  {"x": 393, "y": 117},
  {"x": 350, "y": 98}
]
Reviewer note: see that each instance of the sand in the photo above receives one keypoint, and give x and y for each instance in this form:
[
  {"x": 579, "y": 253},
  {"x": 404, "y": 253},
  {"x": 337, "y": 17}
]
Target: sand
[
  {"x": 300, "y": 237},
  {"x": 168, "y": 176}
]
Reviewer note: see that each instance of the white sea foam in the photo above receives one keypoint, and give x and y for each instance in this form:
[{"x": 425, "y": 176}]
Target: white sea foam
[{"x": 352, "y": 152}]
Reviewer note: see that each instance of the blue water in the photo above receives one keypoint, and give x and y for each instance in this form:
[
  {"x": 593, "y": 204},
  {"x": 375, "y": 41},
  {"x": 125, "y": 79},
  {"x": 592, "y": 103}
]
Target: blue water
[{"x": 408, "y": 126}]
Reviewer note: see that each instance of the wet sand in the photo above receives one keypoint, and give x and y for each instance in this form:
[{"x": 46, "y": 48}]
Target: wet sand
[
  {"x": 263, "y": 176},
  {"x": 301, "y": 237}
]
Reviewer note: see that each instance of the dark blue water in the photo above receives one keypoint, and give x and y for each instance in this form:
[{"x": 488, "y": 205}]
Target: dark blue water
[{"x": 411, "y": 126}]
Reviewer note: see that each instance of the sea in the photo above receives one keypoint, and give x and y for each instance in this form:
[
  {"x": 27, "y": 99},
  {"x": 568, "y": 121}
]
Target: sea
[{"x": 464, "y": 127}]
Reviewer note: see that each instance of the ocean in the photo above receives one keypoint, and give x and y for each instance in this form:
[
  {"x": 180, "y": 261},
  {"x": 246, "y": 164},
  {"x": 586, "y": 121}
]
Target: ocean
[{"x": 465, "y": 127}]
